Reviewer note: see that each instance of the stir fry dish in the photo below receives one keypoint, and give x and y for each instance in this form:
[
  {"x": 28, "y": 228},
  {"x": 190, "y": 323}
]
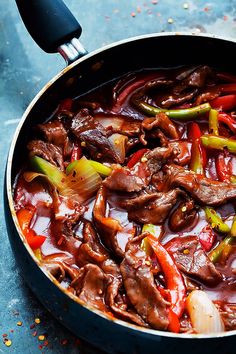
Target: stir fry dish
[{"x": 128, "y": 195}]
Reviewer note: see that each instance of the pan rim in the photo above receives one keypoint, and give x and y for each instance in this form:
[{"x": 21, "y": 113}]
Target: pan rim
[{"x": 10, "y": 201}]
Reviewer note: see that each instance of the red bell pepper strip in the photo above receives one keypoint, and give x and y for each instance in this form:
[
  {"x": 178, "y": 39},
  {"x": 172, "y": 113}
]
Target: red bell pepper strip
[
  {"x": 228, "y": 120},
  {"x": 76, "y": 153},
  {"x": 25, "y": 216},
  {"x": 228, "y": 88},
  {"x": 224, "y": 103},
  {"x": 174, "y": 325},
  {"x": 226, "y": 77},
  {"x": 207, "y": 238},
  {"x": 136, "y": 157},
  {"x": 173, "y": 277},
  {"x": 224, "y": 169},
  {"x": 198, "y": 153}
]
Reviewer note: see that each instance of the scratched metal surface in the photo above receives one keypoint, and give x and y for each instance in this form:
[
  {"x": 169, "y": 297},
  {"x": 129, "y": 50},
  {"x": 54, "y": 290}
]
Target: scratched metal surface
[{"x": 24, "y": 70}]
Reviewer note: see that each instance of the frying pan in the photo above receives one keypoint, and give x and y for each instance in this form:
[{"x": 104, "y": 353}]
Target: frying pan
[{"x": 55, "y": 29}]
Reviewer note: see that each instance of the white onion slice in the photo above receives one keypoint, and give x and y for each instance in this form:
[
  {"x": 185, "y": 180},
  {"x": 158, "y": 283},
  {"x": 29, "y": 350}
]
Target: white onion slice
[
  {"x": 118, "y": 142},
  {"x": 204, "y": 316}
]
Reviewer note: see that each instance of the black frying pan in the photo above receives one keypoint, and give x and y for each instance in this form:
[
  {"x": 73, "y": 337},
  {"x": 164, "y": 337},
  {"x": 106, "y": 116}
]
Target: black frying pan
[{"x": 55, "y": 29}]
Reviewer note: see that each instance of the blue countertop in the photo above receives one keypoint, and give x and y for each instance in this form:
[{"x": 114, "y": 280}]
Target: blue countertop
[{"x": 24, "y": 70}]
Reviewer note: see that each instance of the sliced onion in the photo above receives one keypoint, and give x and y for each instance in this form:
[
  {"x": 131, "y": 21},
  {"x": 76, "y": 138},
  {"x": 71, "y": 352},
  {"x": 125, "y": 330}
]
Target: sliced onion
[
  {"x": 83, "y": 181},
  {"x": 118, "y": 142},
  {"x": 204, "y": 316}
]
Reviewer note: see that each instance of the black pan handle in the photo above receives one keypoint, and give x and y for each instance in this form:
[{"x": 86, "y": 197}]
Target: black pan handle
[{"x": 52, "y": 26}]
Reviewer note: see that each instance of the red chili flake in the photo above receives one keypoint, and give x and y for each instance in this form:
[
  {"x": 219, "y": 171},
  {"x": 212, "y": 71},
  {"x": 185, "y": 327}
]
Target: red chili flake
[
  {"x": 34, "y": 334},
  {"x": 64, "y": 341},
  {"x": 206, "y": 9},
  {"x": 133, "y": 14},
  {"x": 40, "y": 347},
  {"x": 4, "y": 335},
  {"x": 32, "y": 326},
  {"x": 46, "y": 343},
  {"x": 225, "y": 18},
  {"x": 77, "y": 341},
  {"x": 154, "y": 2},
  {"x": 11, "y": 330}
]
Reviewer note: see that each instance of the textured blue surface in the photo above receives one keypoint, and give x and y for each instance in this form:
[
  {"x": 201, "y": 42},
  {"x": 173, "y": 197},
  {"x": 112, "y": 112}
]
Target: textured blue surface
[{"x": 24, "y": 70}]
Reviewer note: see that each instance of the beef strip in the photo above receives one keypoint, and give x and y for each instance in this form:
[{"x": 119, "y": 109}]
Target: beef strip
[
  {"x": 125, "y": 180},
  {"x": 205, "y": 190},
  {"x": 106, "y": 226},
  {"x": 151, "y": 208},
  {"x": 192, "y": 260},
  {"x": 89, "y": 131},
  {"x": 92, "y": 251},
  {"x": 91, "y": 285},
  {"x": 163, "y": 122},
  {"x": 141, "y": 288},
  {"x": 228, "y": 315},
  {"x": 182, "y": 152},
  {"x": 47, "y": 151},
  {"x": 183, "y": 216},
  {"x": 168, "y": 101}
]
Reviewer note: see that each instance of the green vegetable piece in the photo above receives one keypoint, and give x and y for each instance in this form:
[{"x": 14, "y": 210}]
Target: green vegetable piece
[
  {"x": 233, "y": 227},
  {"x": 218, "y": 142},
  {"x": 213, "y": 122},
  {"x": 215, "y": 220},
  {"x": 182, "y": 114},
  {"x": 216, "y": 253},
  {"x": 98, "y": 167},
  {"x": 56, "y": 177},
  {"x": 154, "y": 230}
]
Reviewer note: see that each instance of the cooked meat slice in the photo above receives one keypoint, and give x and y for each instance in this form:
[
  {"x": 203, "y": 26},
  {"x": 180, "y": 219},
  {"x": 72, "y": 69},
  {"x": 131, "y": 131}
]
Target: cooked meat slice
[
  {"x": 151, "y": 208},
  {"x": 141, "y": 288},
  {"x": 125, "y": 180},
  {"x": 91, "y": 286},
  {"x": 60, "y": 266},
  {"x": 47, "y": 151},
  {"x": 183, "y": 216},
  {"x": 207, "y": 95},
  {"x": 93, "y": 135},
  {"x": 106, "y": 226},
  {"x": 173, "y": 99},
  {"x": 158, "y": 157},
  {"x": 182, "y": 152},
  {"x": 92, "y": 251},
  {"x": 163, "y": 122},
  {"x": 54, "y": 132},
  {"x": 205, "y": 190},
  {"x": 192, "y": 260},
  {"x": 228, "y": 314}
]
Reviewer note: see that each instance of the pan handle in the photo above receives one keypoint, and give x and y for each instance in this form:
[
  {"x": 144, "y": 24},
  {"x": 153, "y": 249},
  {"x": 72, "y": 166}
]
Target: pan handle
[{"x": 53, "y": 27}]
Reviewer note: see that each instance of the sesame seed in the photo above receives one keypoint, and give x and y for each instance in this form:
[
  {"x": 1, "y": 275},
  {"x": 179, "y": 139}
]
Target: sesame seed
[
  {"x": 144, "y": 159},
  {"x": 19, "y": 323},
  {"x": 186, "y": 251},
  {"x": 185, "y": 6},
  {"x": 184, "y": 209},
  {"x": 83, "y": 143},
  {"x": 170, "y": 20},
  {"x": 37, "y": 320}
]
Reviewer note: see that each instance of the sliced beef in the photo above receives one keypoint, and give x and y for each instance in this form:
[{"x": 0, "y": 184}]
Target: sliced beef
[
  {"x": 228, "y": 315},
  {"x": 60, "y": 266},
  {"x": 92, "y": 251},
  {"x": 151, "y": 208},
  {"x": 183, "y": 216},
  {"x": 141, "y": 288},
  {"x": 119, "y": 124},
  {"x": 125, "y": 180},
  {"x": 208, "y": 95},
  {"x": 196, "y": 79},
  {"x": 94, "y": 136},
  {"x": 54, "y": 132},
  {"x": 182, "y": 152},
  {"x": 163, "y": 122},
  {"x": 91, "y": 285},
  {"x": 47, "y": 151},
  {"x": 173, "y": 99},
  {"x": 158, "y": 157},
  {"x": 192, "y": 260},
  {"x": 204, "y": 190},
  {"x": 106, "y": 226}
]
